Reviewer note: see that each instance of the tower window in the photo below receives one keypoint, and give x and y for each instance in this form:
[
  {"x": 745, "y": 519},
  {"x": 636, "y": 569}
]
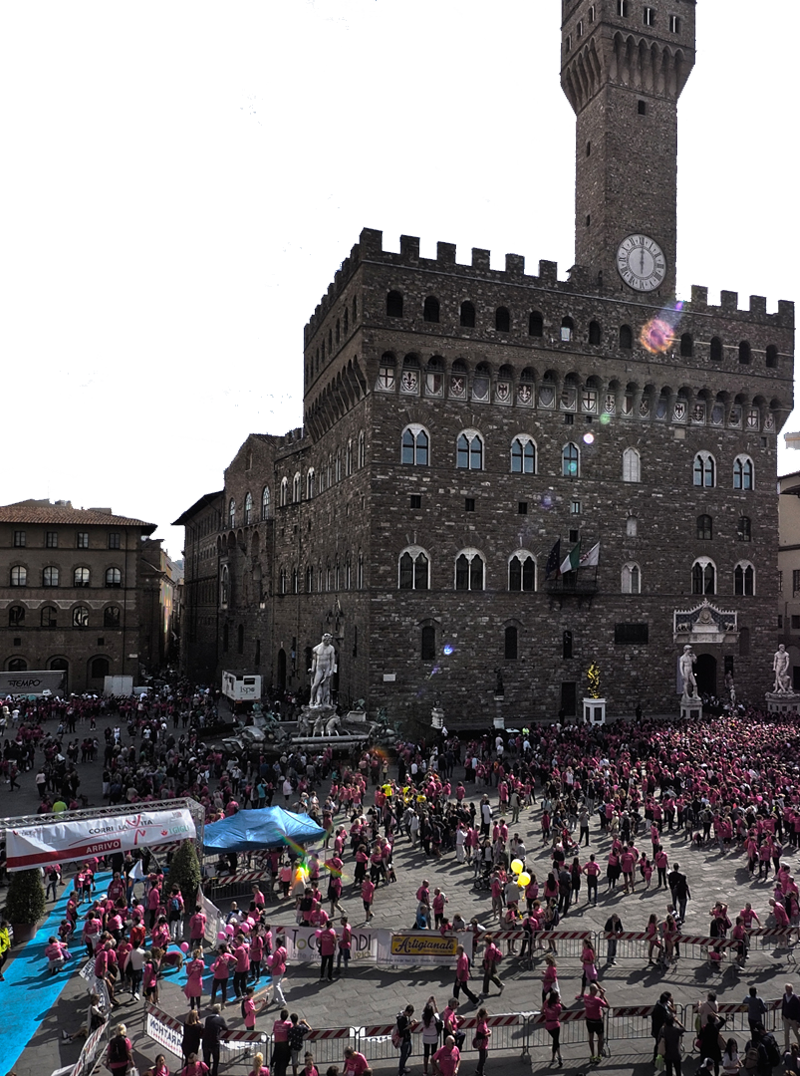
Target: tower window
[
  {"x": 744, "y": 353},
  {"x": 715, "y": 349},
  {"x": 588, "y": 220},
  {"x": 570, "y": 461},
  {"x": 469, "y": 451},
  {"x": 536, "y": 324},
  {"x": 641, "y": 108},
  {"x": 649, "y": 16},
  {"x": 622, "y": 8},
  {"x": 588, "y": 149},
  {"x": 687, "y": 346},
  {"x": 703, "y": 470},
  {"x": 469, "y": 570},
  {"x": 523, "y": 455},
  {"x": 743, "y": 529},
  {"x": 704, "y": 576},
  {"x": 511, "y": 645},
  {"x": 469, "y": 504},
  {"x": 431, "y": 310},
  {"x": 625, "y": 337},
  {"x": 591, "y": 13},
  {"x": 522, "y": 571},
  {"x": 428, "y": 643},
  {"x": 772, "y": 356},
  {"x": 502, "y": 319},
  {"x": 567, "y": 328},
  {"x": 705, "y": 530},
  {"x": 394, "y": 304},
  {"x": 579, "y": 29},
  {"x": 414, "y": 446},
  {"x": 413, "y": 569},
  {"x": 674, "y": 24},
  {"x": 742, "y": 473},
  {"x": 595, "y": 333},
  {"x": 744, "y": 578},
  {"x": 467, "y": 315},
  {"x": 566, "y": 645}
]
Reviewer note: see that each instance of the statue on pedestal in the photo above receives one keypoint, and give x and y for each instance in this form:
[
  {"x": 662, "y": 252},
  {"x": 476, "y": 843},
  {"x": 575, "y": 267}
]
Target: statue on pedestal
[
  {"x": 780, "y": 666},
  {"x": 323, "y": 666},
  {"x": 686, "y": 664}
]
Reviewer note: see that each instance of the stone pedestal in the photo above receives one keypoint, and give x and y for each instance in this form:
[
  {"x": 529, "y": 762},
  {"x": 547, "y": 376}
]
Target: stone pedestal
[
  {"x": 594, "y": 711},
  {"x": 779, "y": 702},
  {"x": 691, "y": 707}
]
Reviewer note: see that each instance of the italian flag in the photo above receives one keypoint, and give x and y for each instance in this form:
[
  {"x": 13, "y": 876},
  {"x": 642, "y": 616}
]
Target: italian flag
[{"x": 572, "y": 560}]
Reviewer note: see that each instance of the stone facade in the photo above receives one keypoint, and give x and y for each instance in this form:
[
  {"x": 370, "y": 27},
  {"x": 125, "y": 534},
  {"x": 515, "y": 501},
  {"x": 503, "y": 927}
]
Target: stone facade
[
  {"x": 460, "y": 420},
  {"x": 70, "y": 591}
]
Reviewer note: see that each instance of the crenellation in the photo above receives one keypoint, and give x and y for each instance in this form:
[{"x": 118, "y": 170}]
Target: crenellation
[
  {"x": 446, "y": 254},
  {"x": 758, "y": 305},
  {"x": 729, "y": 301},
  {"x": 699, "y": 297},
  {"x": 786, "y": 312},
  {"x": 515, "y": 264},
  {"x": 409, "y": 248},
  {"x": 548, "y": 273},
  {"x": 481, "y": 259}
]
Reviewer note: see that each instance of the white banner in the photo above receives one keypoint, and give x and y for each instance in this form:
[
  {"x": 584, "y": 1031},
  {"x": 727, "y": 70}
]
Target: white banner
[
  {"x": 60, "y": 842},
  {"x": 215, "y": 921},
  {"x": 168, "y": 1037},
  {"x": 382, "y": 946}
]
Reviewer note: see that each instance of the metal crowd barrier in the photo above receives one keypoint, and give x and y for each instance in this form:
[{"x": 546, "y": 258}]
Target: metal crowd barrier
[{"x": 522, "y": 1032}]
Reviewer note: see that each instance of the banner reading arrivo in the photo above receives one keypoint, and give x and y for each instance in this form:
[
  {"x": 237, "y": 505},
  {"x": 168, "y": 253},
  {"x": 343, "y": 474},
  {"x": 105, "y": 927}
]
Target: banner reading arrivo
[{"x": 60, "y": 842}]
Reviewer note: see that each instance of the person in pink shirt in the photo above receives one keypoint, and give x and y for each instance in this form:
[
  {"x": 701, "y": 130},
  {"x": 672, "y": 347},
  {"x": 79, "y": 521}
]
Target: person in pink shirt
[
  {"x": 594, "y": 1002},
  {"x": 194, "y": 982},
  {"x": 447, "y": 1059},
  {"x": 251, "y": 1008},
  {"x": 367, "y": 895},
  {"x": 222, "y": 970},
  {"x": 551, "y": 1011},
  {"x": 462, "y": 976},
  {"x": 355, "y": 1064},
  {"x": 439, "y": 901},
  {"x": 159, "y": 937},
  {"x": 56, "y": 953},
  {"x": 197, "y": 927},
  {"x": 242, "y": 969},
  {"x": 278, "y": 968},
  {"x": 327, "y": 947}
]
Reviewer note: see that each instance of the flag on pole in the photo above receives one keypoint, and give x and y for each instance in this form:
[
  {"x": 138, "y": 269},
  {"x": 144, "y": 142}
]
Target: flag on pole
[
  {"x": 553, "y": 561},
  {"x": 592, "y": 558},
  {"x": 572, "y": 561}
]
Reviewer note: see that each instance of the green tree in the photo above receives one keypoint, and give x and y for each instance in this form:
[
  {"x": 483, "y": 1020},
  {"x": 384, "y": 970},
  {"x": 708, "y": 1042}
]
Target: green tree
[
  {"x": 184, "y": 871},
  {"x": 25, "y": 900}
]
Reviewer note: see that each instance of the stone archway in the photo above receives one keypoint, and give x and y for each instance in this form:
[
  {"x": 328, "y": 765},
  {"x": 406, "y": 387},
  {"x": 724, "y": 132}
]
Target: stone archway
[{"x": 706, "y": 674}]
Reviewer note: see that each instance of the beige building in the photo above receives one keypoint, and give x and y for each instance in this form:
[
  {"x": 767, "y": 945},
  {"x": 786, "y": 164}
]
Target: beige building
[{"x": 70, "y": 591}]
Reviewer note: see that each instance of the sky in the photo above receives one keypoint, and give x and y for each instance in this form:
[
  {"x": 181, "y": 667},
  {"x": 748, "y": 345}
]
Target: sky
[{"x": 181, "y": 181}]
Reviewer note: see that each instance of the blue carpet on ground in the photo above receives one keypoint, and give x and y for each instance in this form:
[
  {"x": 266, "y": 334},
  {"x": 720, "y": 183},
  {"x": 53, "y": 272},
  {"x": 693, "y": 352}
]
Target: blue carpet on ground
[{"x": 29, "y": 991}]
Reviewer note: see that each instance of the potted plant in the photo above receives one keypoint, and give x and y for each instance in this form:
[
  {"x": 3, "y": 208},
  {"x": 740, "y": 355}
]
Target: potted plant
[
  {"x": 184, "y": 871},
  {"x": 25, "y": 904}
]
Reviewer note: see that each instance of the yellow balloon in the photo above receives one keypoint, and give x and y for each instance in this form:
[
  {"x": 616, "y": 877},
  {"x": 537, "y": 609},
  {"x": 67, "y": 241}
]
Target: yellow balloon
[
  {"x": 517, "y": 865},
  {"x": 524, "y": 879}
]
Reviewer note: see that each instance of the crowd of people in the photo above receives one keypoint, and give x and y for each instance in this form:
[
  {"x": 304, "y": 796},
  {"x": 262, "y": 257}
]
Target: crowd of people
[{"x": 603, "y": 808}]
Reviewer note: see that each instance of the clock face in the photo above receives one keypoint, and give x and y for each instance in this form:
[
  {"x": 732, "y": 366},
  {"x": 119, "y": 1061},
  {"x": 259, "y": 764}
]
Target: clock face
[{"x": 641, "y": 262}]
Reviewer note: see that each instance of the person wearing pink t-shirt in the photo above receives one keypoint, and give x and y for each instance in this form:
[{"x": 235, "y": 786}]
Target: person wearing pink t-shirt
[{"x": 594, "y": 1002}]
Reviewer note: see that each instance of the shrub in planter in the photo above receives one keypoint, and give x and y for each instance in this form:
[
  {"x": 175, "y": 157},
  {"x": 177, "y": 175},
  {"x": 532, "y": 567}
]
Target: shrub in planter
[
  {"x": 184, "y": 871},
  {"x": 25, "y": 903}
]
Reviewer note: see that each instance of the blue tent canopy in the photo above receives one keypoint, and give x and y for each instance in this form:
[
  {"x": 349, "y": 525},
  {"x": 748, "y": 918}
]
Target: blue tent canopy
[{"x": 271, "y": 826}]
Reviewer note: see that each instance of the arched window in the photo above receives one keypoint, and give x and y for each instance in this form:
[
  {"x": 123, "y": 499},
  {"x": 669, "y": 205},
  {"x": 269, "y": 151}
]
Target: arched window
[
  {"x": 469, "y": 450},
  {"x": 297, "y": 487},
  {"x": 535, "y": 324},
  {"x": 265, "y": 503},
  {"x": 742, "y": 473},
  {"x": 113, "y": 577},
  {"x": 223, "y": 585},
  {"x": 631, "y": 581},
  {"x": 310, "y": 478},
  {"x": 49, "y": 617},
  {"x": 295, "y": 581},
  {"x": 625, "y": 337},
  {"x": 521, "y": 571},
  {"x": 704, "y": 470},
  {"x": 715, "y": 349},
  {"x": 705, "y": 528},
  {"x": 687, "y": 346},
  {"x": 232, "y": 513},
  {"x": 467, "y": 315},
  {"x": 744, "y": 352},
  {"x": 248, "y": 509},
  {"x": 99, "y": 668},
  {"x": 16, "y": 616},
  {"x": 523, "y": 455},
  {"x": 394, "y": 304},
  {"x": 567, "y": 329},
  {"x": 310, "y": 579},
  {"x": 744, "y": 578},
  {"x": 414, "y": 446},
  {"x": 50, "y": 577},
  {"x": 17, "y": 665},
  {"x": 80, "y": 617},
  {"x": 282, "y": 580},
  {"x": 772, "y": 356},
  {"x": 704, "y": 576},
  {"x": 413, "y": 569},
  {"x": 743, "y": 529},
  {"x": 19, "y": 576},
  {"x": 631, "y": 465},
  {"x": 348, "y": 457},
  {"x": 469, "y": 570},
  {"x": 431, "y": 309},
  {"x": 80, "y": 577},
  {"x": 362, "y": 450},
  {"x": 570, "y": 460},
  {"x": 284, "y": 492},
  {"x": 427, "y": 648},
  {"x": 502, "y": 319},
  {"x": 511, "y": 643},
  {"x": 631, "y": 526},
  {"x": 112, "y": 616},
  {"x": 595, "y": 333}
]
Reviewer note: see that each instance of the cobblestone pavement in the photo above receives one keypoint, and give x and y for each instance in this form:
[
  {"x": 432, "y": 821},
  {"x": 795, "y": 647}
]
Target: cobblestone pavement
[{"x": 373, "y": 994}]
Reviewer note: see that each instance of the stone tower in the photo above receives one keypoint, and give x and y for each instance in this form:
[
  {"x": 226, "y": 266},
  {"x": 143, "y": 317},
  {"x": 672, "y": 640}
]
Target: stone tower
[{"x": 623, "y": 67}]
